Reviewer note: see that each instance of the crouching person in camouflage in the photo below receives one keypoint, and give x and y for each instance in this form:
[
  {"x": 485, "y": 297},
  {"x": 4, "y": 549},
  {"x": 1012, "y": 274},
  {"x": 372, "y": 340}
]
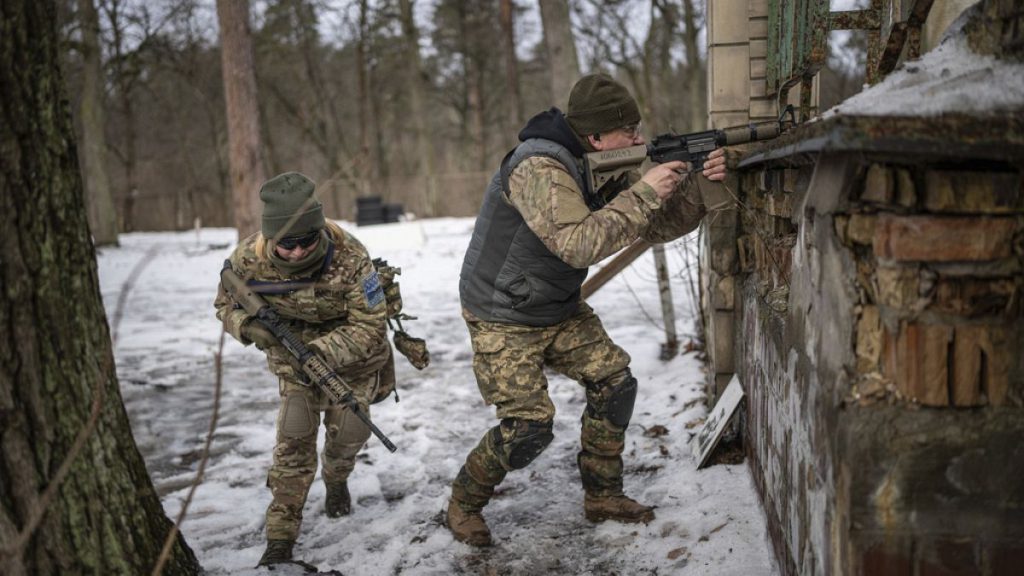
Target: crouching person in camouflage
[
  {"x": 322, "y": 283},
  {"x": 538, "y": 231}
]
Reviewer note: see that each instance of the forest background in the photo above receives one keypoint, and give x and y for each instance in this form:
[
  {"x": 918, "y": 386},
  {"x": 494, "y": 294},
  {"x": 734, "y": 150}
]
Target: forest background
[{"x": 415, "y": 102}]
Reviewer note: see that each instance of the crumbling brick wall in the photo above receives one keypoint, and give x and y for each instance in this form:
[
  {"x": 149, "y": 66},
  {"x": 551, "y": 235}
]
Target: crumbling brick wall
[
  {"x": 864, "y": 277},
  {"x": 880, "y": 346}
]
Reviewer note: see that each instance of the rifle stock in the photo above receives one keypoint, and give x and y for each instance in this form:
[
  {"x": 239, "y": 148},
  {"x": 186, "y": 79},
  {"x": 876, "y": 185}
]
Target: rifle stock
[{"x": 312, "y": 365}]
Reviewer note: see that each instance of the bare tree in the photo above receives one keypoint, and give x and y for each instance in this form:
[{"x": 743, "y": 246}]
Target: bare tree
[
  {"x": 563, "y": 63},
  {"x": 125, "y": 75},
  {"x": 508, "y": 27},
  {"x": 669, "y": 90},
  {"x": 694, "y": 70},
  {"x": 75, "y": 497},
  {"x": 362, "y": 45},
  {"x": 92, "y": 138},
  {"x": 469, "y": 17},
  {"x": 246, "y": 153},
  {"x": 184, "y": 84},
  {"x": 417, "y": 83}
]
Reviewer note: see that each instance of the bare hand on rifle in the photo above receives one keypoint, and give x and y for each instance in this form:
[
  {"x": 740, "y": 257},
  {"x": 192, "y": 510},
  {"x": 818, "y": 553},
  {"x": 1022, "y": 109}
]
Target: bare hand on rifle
[
  {"x": 714, "y": 167},
  {"x": 665, "y": 178}
]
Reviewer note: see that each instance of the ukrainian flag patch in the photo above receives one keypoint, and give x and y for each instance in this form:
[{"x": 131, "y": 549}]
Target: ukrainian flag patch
[{"x": 372, "y": 290}]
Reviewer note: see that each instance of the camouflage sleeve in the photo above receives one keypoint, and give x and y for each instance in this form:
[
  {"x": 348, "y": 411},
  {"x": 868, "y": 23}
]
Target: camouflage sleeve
[
  {"x": 361, "y": 342},
  {"x": 227, "y": 313},
  {"x": 553, "y": 207},
  {"x": 679, "y": 215}
]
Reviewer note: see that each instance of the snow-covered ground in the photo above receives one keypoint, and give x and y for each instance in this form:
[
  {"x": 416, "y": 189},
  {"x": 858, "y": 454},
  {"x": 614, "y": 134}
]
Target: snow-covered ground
[{"x": 159, "y": 290}]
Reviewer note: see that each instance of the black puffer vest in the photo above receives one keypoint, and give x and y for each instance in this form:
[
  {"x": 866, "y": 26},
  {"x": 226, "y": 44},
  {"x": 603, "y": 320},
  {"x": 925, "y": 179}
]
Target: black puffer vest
[{"x": 508, "y": 274}]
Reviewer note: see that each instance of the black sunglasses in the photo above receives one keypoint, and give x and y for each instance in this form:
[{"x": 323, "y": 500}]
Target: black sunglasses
[{"x": 306, "y": 240}]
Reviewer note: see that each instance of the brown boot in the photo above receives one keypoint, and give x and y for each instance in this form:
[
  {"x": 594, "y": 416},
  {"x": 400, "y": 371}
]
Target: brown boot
[
  {"x": 468, "y": 527},
  {"x": 619, "y": 508},
  {"x": 339, "y": 502}
]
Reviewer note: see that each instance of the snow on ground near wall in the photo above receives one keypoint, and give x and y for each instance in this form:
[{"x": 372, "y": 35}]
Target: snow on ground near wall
[{"x": 709, "y": 522}]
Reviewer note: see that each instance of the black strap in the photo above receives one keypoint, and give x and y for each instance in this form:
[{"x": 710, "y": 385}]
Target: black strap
[
  {"x": 505, "y": 173},
  {"x": 289, "y": 286}
]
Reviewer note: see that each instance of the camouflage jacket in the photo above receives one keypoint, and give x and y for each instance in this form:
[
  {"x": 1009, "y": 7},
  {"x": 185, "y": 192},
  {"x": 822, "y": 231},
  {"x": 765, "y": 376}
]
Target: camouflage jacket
[
  {"x": 553, "y": 206},
  {"x": 341, "y": 314}
]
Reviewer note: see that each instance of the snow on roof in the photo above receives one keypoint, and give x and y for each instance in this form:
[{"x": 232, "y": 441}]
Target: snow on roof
[{"x": 952, "y": 78}]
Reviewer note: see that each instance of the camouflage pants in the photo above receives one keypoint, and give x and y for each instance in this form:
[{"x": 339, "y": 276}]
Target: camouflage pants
[
  {"x": 509, "y": 362},
  {"x": 295, "y": 457}
]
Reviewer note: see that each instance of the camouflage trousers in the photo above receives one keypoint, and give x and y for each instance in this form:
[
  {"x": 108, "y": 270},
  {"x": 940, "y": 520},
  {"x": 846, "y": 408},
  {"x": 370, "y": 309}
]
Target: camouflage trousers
[
  {"x": 295, "y": 458},
  {"x": 509, "y": 362}
]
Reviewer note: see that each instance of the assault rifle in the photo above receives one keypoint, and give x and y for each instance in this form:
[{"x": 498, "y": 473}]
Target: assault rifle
[
  {"x": 693, "y": 148},
  {"x": 312, "y": 365}
]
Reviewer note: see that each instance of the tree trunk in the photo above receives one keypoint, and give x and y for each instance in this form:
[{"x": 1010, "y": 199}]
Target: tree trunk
[
  {"x": 417, "y": 103},
  {"x": 246, "y": 160},
  {"x": 473, "y": 84},
  {"x": 564, "y": 65},
  {"x": 55, "y": 359},
  {"x": 93, "y": 140},
  {"x": 365, "y": 163},
  {"x": 696, "y": 79},
  {"x": 124, "y": 80},
  {"x": 508, "y": 29},
  {"x": 380, "y": 150}
]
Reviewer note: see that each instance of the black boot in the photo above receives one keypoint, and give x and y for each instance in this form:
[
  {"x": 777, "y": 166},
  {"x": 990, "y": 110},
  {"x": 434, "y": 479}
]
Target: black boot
[
  {"x": 339, "y": 502},
  {"x": 277, "y": 552},
  {"x": 280, "y": 552}
]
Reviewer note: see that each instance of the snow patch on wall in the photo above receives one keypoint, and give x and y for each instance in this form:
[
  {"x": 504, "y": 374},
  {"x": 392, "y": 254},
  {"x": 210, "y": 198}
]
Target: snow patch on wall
[{"x": 950, "y": 79}]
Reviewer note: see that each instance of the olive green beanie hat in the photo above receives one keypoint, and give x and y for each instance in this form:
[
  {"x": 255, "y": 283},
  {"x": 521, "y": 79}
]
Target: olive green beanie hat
[
  {"x": 289, "y": 200},
  {"x": 597, "y": 103}
]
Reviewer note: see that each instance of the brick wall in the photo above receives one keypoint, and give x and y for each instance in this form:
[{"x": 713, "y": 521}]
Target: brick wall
[
  {"x": 871, "y": 298},
  {"x": 881, "y": 335}
]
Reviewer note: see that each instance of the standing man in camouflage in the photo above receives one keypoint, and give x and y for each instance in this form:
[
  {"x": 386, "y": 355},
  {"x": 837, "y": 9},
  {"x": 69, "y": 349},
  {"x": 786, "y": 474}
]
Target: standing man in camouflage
[
  {"x": 538, "y": 231},
  {"x": 322, "y": 283}
]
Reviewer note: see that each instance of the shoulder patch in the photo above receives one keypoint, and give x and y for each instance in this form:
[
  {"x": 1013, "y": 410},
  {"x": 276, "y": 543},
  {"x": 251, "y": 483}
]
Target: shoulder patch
[{"x": 372, "y": 290}]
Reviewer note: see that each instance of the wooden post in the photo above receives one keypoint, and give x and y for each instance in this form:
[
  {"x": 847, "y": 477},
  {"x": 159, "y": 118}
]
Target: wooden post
[
  {"x": 618, "y": 264},
  {"x": 671, "y": 346}
]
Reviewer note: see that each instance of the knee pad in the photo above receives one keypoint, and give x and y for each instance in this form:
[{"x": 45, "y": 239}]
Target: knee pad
[
  {"x": 519, "y": 442},
  {"x": 617, "y": 397},
  {"x": 350, "y": 429},
  {"x": 297, "y": 419},
  {"x": 621, "y": 399}
]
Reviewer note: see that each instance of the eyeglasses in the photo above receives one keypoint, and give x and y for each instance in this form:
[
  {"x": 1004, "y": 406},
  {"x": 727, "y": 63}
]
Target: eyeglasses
[
  {"x": 632, "y": 130},
  {"x": 305, "y": 241}
]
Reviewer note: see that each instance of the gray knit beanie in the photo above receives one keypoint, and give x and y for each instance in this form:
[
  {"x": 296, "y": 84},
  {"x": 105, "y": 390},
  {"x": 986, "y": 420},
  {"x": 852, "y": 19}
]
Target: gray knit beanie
[
  {"x": 289, "y": 200},
  {"x": 597, "y": 103}
]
